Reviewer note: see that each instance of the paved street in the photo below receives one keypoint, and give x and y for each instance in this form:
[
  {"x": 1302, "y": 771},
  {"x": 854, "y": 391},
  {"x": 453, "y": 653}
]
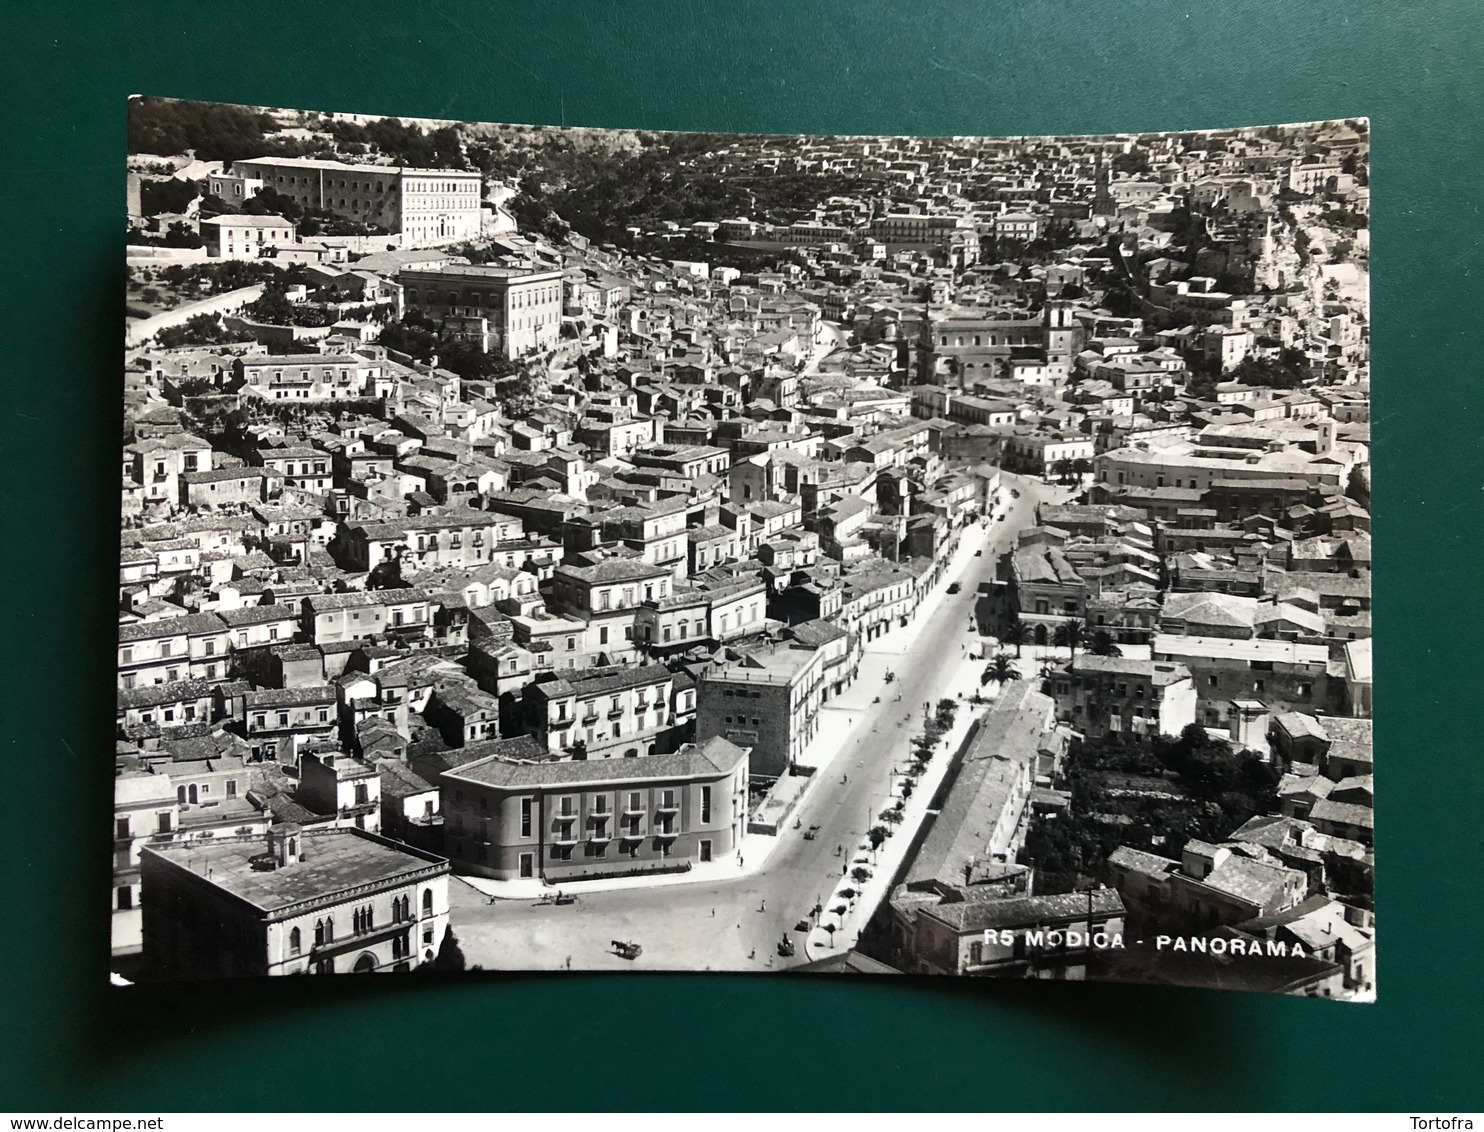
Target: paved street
[{"x": 735, "y": 924}]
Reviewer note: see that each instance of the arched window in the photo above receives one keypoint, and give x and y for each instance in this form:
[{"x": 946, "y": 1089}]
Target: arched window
[
  {"x": 427, "y": 902},
  {"x": 319, "y": 932},
  {"x": 193, "y": 793},
  {"x": 180, "y": 795},
  {"x": 329, "y": 928},
  {"x": 296, "y": 942}
]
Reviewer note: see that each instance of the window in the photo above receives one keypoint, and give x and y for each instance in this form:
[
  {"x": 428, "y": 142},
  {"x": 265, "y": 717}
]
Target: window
[
  {"x": 635, "y": 802},
  {"x": 125, "y": 898},
  {"x": 705, "y": 804},
  {"x": 525, "y": 817},
  {"x": 296, "y": 942}
]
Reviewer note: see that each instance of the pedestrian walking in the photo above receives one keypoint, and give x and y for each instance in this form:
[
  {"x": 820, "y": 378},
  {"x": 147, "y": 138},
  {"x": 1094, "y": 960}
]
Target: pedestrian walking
[
  {"x": 763, "y": 907},
  {"x": 569, "y": 962},
  {"x": 713, "y": 913}
]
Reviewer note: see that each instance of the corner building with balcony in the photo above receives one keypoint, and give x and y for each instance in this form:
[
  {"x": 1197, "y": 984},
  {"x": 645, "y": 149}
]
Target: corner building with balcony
[
  {"x": 511, "y": 819},
  {"x": 323, "y": 902},
  {"x": 768, "y": 699},
  {"x": 505, "y": 311}
]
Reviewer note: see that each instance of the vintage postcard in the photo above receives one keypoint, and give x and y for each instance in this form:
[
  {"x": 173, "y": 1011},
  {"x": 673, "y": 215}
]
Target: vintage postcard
[{"x": 569, "y": 549}]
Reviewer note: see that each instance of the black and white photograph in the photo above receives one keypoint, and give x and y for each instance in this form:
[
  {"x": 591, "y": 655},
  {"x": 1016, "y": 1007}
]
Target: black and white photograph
[{"x": 564, "y": 549}]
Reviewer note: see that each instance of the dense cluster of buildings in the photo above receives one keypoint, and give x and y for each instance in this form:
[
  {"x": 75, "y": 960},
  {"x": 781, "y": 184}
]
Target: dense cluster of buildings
[{"x": 387, "y": 615}]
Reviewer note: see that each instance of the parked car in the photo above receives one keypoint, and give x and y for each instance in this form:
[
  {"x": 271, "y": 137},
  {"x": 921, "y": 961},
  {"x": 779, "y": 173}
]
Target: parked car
[{"x": 954, "y": 587}]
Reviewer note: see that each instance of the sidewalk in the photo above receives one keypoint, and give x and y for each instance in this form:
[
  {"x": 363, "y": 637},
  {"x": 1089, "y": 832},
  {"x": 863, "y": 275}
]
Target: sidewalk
[
  {"x": 755, "y": 850},
  {"x": 887, "y": 861},
  {"x": 898, "y": 641}
]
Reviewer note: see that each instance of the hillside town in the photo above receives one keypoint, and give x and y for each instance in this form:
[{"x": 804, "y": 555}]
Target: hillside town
[{"x": 570, "y": 550}]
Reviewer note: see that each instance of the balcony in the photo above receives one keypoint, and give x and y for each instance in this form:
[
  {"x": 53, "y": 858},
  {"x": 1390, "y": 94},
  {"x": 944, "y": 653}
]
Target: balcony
[
  {"x": 667, "y": 832},
  {"x": 668, "y": 808},
  {"x": 616, "y": 713},
  {"x": 566, "y": 836},
  {"x": 589, "y": 720}
]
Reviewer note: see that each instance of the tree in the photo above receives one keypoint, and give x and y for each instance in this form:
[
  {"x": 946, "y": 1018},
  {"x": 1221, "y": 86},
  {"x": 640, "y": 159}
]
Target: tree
[
  {"x": 944, "y": 715},
  {"x": 450, "y": 955},
  {"x": 386, "y": 575},
  {"x": 860, "y": 874},
  {"x": 272, "y": 307},
  {"x": 1017, "y": 633},
  {"x": 878, "y": 834},
  {"x": 198, "y": 330},
  {"x": 214, "y": 131},
  {"x": 271, "y": 202},
  {"x": 1103, "y": 644},
  {"x": 1070, "y": 635},
  {"x": 168, "y": 196},
  {"x": 182, "y": 235},
  {"x": 1000, "y": 669}
]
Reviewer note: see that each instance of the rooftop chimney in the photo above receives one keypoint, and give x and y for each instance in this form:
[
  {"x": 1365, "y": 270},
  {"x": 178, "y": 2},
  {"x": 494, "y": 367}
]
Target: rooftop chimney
[{"x": 286, "y": 843}]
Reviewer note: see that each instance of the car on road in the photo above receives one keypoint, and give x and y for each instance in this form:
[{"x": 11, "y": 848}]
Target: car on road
[
  {"x": 1015, "y": 492},
  {"x": 978, "y": 554},
  {"x": 954, "y": 587}
]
